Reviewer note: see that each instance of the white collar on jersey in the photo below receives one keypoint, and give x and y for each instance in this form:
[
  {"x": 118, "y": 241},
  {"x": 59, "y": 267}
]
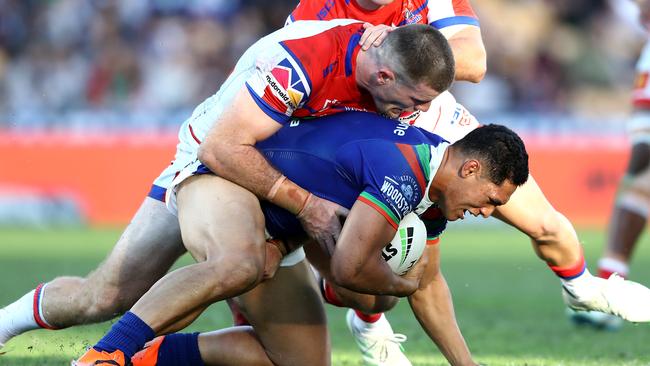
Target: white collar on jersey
[{"x": 437, "y": 153}]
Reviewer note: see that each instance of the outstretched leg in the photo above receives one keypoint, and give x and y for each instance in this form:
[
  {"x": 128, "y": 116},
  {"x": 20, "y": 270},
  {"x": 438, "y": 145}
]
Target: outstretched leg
[{"x": 150, "y": 244}]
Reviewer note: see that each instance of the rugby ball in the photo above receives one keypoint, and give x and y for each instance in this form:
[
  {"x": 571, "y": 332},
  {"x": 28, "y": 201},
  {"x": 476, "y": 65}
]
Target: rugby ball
[{"x": 407, "y": 246}]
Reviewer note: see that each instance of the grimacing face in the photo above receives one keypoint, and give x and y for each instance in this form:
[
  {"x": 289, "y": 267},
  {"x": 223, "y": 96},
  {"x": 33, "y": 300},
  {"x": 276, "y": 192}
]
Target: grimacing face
[
  {"x": 395, "y": 98},
  {"x": 476, "y": 195}
]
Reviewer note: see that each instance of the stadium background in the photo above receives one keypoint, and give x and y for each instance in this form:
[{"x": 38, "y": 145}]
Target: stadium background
[{"x": 92, "y": 93}]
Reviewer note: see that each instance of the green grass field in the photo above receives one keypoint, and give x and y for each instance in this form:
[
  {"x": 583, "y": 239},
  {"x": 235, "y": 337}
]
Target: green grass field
[{"x": 507, "y": 302}]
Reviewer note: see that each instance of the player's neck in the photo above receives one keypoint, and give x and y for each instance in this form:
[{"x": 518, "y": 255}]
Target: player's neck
[
  {"x": 364, "y": 70},
  {"x": 367, "y": 5}
]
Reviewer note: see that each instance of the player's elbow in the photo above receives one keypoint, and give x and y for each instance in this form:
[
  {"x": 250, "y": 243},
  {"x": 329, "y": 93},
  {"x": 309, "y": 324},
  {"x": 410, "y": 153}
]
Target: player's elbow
[
  {"x": 474, "y": 68},
  {"x": 345, "y": 274}
]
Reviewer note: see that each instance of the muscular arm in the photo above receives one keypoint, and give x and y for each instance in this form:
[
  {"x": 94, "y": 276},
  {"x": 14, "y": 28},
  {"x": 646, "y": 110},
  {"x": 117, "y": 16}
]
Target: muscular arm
[
  {"x": 433, "y": 307},
  {"x": 357, "y": 263},
  {"x": 228, "y": 150},
  {"x": 469, "y": 54},
  {"x": 554, "y": 238}
]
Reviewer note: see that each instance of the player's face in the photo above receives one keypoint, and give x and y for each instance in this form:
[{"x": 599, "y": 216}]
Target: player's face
[
  {"x": 396, "y": 98},
  {"x": 475, "y": 195}
]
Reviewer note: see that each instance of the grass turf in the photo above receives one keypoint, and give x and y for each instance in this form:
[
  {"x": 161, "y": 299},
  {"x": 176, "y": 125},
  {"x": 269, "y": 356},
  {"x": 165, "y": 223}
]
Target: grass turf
[{"x": 507, "y": 302}]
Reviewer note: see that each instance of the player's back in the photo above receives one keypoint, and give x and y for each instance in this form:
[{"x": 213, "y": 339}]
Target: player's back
[
  {"x": 289, "y": 61},
  {"x": 340, "y": 157}
]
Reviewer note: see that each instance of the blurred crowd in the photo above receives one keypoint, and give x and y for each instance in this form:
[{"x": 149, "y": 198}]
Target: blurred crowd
[{"x": 112, "y": 65}]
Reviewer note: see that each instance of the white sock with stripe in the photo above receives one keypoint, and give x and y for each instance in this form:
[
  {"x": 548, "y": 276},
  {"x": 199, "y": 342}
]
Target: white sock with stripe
[{"x": 19, "y": 316}]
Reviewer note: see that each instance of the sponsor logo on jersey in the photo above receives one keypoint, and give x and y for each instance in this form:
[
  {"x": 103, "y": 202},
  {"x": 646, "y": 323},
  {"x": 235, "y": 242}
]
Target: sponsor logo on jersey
[
  {"x": 325, "y": 10},
  {"x": 409, "y": 117},
  {"x": 461, "y": 116},
  {"x": 285, "y": 84},
  {"x": 410, "y": 18},
  {"x": 399, "y": 192}
]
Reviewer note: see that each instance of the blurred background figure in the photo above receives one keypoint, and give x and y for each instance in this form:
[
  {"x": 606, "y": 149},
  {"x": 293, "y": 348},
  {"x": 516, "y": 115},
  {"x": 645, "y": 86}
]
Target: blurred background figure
[{"x": 632, "y": 205}]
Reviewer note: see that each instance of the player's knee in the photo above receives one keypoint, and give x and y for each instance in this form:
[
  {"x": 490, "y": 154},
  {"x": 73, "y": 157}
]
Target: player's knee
[
  {"x": 106, "y": 302},
  {"x": 237, "y": 271}
]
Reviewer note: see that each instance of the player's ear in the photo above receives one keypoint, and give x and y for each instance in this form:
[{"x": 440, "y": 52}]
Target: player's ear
[
  {"x": 385, "y": 76},
  {"x": 470, "y": 167}
]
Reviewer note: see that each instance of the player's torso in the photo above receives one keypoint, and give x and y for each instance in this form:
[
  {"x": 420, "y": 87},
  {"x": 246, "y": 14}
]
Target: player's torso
[
  {"x": 340, "y": 157},
  {"x": 399, "y": 12}
]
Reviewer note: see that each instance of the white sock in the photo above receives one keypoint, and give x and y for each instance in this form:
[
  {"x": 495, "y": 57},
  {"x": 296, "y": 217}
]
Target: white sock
[
  {"x": 614, "y": 265},
  {"x": 18, "y": 317}
]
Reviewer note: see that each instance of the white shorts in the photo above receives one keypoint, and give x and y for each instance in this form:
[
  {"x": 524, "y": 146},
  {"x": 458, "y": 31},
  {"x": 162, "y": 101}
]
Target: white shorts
[{"x": 638, "y": 127}]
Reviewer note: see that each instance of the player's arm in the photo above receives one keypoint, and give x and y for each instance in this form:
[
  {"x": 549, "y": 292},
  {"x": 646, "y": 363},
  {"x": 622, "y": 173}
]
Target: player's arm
[
  {"x": 229, "y": 151},
  {"x": 469, "y": 54},
  {"x": 357, "y": 263},
  {"x": 433, "y": 307}
]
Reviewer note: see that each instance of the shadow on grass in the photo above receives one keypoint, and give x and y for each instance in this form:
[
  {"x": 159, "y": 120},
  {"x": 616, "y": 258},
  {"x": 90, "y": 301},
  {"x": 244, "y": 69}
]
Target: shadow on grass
[{"x": 34, "y": 361}]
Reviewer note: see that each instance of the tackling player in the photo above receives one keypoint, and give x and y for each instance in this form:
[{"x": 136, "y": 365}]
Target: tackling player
[
  {"x": 455, "y": 19},
  {"x": 381, "y": 172}
]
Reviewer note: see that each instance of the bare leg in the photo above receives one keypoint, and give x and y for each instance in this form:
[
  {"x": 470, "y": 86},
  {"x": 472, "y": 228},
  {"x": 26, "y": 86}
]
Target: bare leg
[
  {"x": 625, "y": 229},
  {"x": 145, "y": 251},
  {"x": 223, "y": 228},
  {"x": 632, "y": 205},
  {"x": 237, "y": 346},
  {"x": 289, "y": 321}
]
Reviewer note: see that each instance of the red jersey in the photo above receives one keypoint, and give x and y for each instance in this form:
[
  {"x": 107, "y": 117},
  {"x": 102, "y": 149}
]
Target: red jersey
[
  {"x": 302, "y": 70},
  {"x": 439, "y": 13},
  {"x": 310, "y": 76}
]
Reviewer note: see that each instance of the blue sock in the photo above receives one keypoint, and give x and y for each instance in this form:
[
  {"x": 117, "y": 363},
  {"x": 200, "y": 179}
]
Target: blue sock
[
  {"x": 180, "y": 349},
  {"x": 128, "y": 335}
]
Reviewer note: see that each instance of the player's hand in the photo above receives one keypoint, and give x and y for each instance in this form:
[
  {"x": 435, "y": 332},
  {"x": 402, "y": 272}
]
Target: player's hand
[
  {"x": 321, "y": 220},
  {"x": 275, "y": 251},
  {"x": 617, "y": 296},
  {"x": 416, "y": 272},
  {"x": 374, "y": 35}
]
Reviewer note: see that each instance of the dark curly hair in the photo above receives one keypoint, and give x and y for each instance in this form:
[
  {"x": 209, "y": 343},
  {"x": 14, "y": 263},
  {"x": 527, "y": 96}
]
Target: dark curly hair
[{"x": 501, "y": 151}]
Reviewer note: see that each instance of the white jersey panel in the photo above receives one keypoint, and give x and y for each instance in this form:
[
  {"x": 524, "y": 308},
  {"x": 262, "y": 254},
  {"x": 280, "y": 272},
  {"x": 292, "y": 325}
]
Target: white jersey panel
[{"x": 447, "y": 118}]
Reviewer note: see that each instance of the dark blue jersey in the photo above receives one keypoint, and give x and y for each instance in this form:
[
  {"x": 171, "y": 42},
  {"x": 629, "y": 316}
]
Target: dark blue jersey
[{"x": 353, "y": 156}]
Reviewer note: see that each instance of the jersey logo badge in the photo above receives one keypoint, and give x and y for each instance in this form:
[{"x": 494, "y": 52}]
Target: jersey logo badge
[
  {"x": 410, "y": 18},
  {"x": 400, "y": 192},
  {"x": 285, "y": 84}
]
